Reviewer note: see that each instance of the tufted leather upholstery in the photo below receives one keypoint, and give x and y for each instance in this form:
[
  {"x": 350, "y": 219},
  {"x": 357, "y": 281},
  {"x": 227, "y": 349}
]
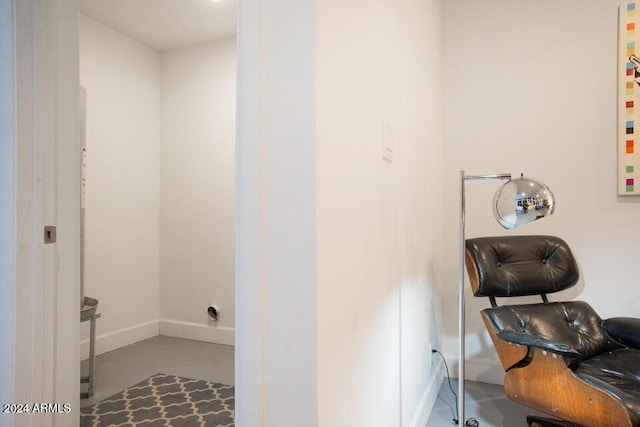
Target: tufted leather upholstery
[
  {"x": 618, "y": 373},
  {"x": 521, "y": 265},
  {"x": 601, "y": 358},
  {"x": 573, "y": 324},
  {"x": 624, "y": 330}
]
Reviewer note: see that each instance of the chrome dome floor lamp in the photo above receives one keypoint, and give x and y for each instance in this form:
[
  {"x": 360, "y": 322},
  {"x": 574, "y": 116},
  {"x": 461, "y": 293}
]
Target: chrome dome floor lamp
[{"x": 517, "y": 202}]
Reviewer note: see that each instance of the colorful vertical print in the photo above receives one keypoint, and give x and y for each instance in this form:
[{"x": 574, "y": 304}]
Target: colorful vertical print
[{"x": 628, "y": 97}]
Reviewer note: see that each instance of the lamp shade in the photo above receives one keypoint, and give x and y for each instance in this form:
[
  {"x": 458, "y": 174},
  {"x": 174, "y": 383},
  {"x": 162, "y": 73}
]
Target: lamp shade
[{"x": 521, "y": 201}]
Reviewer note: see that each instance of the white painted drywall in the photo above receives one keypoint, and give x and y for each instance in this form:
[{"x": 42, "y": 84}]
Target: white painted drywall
[
  {"x": 122, "y": 78},
  {"x": 379, "y": 223},
  {"x": 197, "y": 190},
  {"x": 250, "y": 393},
  {"x": 530, "y": 87},
  {"x": 276, "y": 374},
  {"x": 321, "y": 215}
]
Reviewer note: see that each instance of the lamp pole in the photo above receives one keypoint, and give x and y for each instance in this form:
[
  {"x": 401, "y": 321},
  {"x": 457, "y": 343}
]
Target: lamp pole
[{"x": 461, "y": 312}]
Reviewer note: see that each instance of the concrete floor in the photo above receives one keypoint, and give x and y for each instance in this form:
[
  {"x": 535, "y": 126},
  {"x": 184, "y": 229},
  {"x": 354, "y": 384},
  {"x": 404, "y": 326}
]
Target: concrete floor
[
  {"x": 129, "y": 365},
  {"x": 126, "y": 366},
  {"x": 484, "y": 402}
]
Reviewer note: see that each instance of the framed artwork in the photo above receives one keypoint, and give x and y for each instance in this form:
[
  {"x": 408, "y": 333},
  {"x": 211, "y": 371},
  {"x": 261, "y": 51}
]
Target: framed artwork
[{"x": 629, "y": 99}]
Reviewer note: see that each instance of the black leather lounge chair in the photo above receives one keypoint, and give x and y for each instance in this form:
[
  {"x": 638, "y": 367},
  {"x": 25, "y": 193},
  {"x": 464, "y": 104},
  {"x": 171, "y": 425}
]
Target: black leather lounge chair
[{"x": 560, "y": 358}]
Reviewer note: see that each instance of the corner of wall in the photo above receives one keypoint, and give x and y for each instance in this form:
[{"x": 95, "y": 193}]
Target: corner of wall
[{"x": 428, "y": 400}]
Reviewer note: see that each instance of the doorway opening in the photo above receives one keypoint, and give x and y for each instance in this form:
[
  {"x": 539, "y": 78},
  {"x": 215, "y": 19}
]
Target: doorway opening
[{"x": 159, "y": 195}]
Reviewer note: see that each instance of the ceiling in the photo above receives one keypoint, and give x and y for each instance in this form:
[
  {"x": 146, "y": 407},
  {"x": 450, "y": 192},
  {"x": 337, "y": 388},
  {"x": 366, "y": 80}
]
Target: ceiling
[{"x": 166, "y": 24}]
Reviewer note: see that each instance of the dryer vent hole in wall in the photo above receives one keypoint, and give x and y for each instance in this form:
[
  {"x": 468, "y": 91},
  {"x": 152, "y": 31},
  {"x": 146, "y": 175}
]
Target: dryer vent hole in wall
[{"x": 214, "y": 313}]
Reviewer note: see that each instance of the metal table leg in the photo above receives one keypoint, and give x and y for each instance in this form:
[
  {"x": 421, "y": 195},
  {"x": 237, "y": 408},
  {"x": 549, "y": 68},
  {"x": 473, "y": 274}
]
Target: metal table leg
[{"x": 90, "y": 379}]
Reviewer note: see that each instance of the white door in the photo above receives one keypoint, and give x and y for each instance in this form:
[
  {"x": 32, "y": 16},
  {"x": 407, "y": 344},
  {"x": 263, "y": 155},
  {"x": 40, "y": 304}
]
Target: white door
[{"x": 39, "y": 186}]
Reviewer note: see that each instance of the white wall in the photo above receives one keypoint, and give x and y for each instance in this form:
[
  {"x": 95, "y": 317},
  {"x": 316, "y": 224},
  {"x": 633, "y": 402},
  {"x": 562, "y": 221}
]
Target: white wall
[
  {"x": 337, "y": 250},
  {"x": 197, "y": 191},
  {"x": 276, "y": 348},
  {"x": 122, "y": 78},
  {"x": 161, "y": 183},
  {"x": 530, "y": 87},
  {"x": 379, "y": 223}
]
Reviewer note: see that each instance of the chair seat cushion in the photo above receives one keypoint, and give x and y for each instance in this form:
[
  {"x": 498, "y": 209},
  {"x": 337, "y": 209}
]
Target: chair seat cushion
[
  {"x": 616, "y": 372},
  {"x": 573, "y": 323}
]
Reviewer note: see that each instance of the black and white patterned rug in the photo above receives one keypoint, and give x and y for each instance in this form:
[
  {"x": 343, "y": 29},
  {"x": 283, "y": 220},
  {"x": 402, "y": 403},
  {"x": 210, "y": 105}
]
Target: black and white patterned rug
[{"x": 167, "y": 401}]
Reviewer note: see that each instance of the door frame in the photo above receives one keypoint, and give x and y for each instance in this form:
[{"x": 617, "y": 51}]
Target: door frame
[
  {"x": 45, "y": 181},
  {"x": 40, "y": 183}
]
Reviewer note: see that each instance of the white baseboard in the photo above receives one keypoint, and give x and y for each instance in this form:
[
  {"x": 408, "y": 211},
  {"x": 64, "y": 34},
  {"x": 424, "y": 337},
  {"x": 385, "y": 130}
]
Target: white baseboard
[
  {"x": 421, "y": 416},
  {"x": 198, "y": 332},
  {"x": 116, "y": 339}
]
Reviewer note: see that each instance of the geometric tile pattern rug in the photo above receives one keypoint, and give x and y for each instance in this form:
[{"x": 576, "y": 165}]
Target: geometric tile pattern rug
[{"x": 164, "y": 401}]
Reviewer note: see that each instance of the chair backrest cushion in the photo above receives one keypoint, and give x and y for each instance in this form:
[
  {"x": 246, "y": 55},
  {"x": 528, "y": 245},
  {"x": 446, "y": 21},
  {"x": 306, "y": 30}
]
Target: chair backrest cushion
[
  {"x": 572, "y": 323},
  {"x": 509, "y": 266}
]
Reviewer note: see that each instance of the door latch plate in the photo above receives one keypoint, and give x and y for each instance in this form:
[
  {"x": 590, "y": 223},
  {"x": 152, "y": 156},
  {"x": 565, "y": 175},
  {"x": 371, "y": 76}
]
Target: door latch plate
[{"x": 49, "y": 234}]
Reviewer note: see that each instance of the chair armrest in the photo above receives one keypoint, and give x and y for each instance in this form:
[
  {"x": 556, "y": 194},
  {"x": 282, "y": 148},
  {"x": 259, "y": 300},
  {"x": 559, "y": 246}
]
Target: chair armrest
[
  {"x": 624, "y": 330},
  {"x": 545, "y": 344}
]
